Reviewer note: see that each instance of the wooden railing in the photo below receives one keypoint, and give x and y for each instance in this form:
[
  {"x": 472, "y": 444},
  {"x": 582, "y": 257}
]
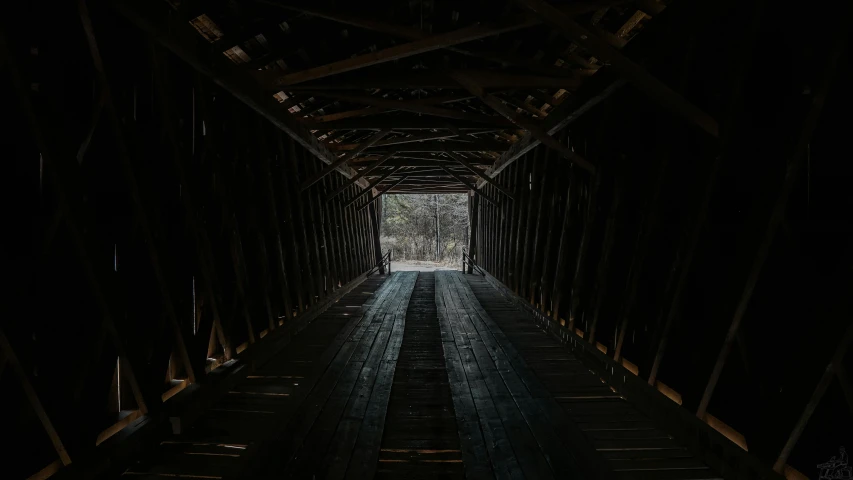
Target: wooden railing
[
  {"x": 466, "y": 259},
  {"x": 386, "y": 260}
]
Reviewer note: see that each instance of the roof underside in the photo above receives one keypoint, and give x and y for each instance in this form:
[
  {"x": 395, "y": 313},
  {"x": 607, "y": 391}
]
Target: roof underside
[{"x": 417, "y": 96}]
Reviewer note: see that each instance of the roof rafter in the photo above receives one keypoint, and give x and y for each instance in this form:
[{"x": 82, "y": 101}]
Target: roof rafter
[
  {"x": 497, "y": 105},
  {"x": 635, "y": 73}
]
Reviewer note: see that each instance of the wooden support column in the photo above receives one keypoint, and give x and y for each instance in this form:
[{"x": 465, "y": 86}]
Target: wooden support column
[
  {"x": 349, "y": 224},
  {"x": 512, "y": 229},
  {"x": 377, "y": 247},
  {"x": 565, "y": 250},
  {"x": 343, "y": 234},
  {"x": 532, "y": 217},
  {"x": 315, "y": 214},
  {"x": 502, "y": 240},
  {"x": 603, "y": 269},
  {"x": 363, "y": 235},
  {"x": 472, "y": 238},
  {"x": 285, "y": 191},
  {"x": 648, "y": 226},
  {"x": 521, "y": 232},
  {"x": 203, "y": 249},
  {"x": 309, "y": 275},
  {"x": 488, "y": 254},
  {"x": 685, "y": 259},
  {"x": 332, "y": 235},
  {"x": 548, "y": 259},
  {"x": 579, "y": 278},
  {"x": 544, "y": 208}
]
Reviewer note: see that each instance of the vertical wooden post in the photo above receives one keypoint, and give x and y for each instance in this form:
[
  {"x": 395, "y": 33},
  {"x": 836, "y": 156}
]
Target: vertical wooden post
[
  {"x": 332, "y": 234},
  {"x": 544, "y": 209},
  {"x": 523, "y": 196},
  {"x": 567, "y": 234},
  {"x": 292, "y": 242},
  {"x": 648, "y": 226},
  {"x": 349, "y": 224},
  {"x": 532, "y": 217},
  {"x": 555, "y": 205},
  {"x": 579, "y": 280},
  {"x": 308, "y": 274},
  {"x": 512, "y": 229},
  {"x": 377, "y": 247},
  {"x": 604, "y": 261},
  {"x": 472, "y": 239}
]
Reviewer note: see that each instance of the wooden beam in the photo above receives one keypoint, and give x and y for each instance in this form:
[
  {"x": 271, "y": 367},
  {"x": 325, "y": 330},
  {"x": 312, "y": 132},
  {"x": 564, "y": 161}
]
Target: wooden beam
[
  {"x": 395, "y": 122},
  {"x": 422, "y": 45},
  {"x": 471, "y": 187},
  {"x": 409, "y": 33},
  {"x": 397, "y": 141},
  {"x": 360, "y": 174},
  {"x": 8, "y": 355},
  {"x": 474, "y": 215},
  {"x": 416, "y": 107},
  {"x": 377, "y": 247},
  {"x": 415, "y": 159},
  {"x": 431, "y": 172},
  {"x": 635, "y": 73},
  {"x": 387, "y": 79},
  {"x": 341, "y": 161},
  {"x": 397, "y": 161},
  {"x": 481, "y": 145},
  {"x": 480, "y": 174},
  {"x": 563, "y": 115},
  {"x": 370, "y": 187},
  {"x": 497, "y": 105},
  {"x": 383, "y": 192},
  {"x": 347, "y": 114},
  {"x": 182, "y": 40}
]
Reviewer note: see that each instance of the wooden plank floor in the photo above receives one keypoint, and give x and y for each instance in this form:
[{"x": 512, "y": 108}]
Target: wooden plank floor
[
  {"x": 337, "y": 432},
  {"x": 631, "y": 444},
  {"x": 423, "y": 375},
  {"x": 226, "y": 441},
  {"x": 420, "y": 439}
]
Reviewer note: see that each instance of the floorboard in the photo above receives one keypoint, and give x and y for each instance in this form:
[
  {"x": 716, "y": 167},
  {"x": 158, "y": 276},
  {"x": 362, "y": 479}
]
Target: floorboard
[
  {"x": 420, "y": 438},
  {"x": 244, "y": 424},
  {"x": 629, "y": 442}
]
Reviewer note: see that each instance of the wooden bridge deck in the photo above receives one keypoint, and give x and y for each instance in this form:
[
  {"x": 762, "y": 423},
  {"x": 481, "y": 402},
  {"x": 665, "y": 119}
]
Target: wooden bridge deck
[{"x": 422, "y": 375}]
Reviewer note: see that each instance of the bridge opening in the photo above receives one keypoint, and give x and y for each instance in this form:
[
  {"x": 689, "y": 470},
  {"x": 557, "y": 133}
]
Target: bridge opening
[{"x": 425, "y": 231}]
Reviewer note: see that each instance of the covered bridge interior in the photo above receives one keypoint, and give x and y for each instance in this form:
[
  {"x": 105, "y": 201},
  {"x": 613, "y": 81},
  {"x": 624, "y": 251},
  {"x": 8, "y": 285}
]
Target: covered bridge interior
[{"x": 658, "y": 282}]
